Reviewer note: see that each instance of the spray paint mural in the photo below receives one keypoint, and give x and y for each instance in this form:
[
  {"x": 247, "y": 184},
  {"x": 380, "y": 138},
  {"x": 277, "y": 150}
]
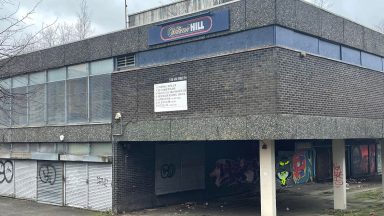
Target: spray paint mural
[
  {"x": 228, "y": 172},
  {"x": 294, "y": 168},
  {"x": 363, "y": 160}
]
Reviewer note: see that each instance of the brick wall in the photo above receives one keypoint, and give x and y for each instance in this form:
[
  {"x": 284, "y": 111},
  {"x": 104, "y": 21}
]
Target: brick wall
[
  {"x": 237, "y": 84},
  {"x": 321, "y": 87}
]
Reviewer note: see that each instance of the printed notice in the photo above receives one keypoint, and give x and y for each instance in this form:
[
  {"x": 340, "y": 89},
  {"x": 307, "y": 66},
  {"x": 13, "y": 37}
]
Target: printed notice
[{"x": 171, "y": 96}]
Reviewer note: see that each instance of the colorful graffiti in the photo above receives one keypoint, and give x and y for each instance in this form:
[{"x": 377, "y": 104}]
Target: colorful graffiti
[
  {"x": 363, "y": 158},
  {"x": 283, "y": 173},
  {"x": 229, "y": 172},
  {"x": 337, "y": 175},
  {"x": 302, "y": 167}
]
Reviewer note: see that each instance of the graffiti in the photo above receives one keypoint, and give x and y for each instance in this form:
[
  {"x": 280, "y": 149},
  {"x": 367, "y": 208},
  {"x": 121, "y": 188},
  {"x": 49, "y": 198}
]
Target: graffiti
[
  {"x": 337, "y": 175},
  {"x": 302, "y": 167},
  {"x": 102, "y": 181},
  {"x": 47, "y": 174},
  {"x": 6, "y": 171},
  {"x": 229, "y": 172},
  {"x": 167, "y": 170},
  {"x": 363, "y": 159},
  {"x": 283, "y": 171}
]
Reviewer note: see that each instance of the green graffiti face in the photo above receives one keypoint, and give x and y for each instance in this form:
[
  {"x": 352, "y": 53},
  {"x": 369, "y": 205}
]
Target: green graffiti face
[
  {"x": 283, "y": 176},
  {"x": 283, "y": 163}
]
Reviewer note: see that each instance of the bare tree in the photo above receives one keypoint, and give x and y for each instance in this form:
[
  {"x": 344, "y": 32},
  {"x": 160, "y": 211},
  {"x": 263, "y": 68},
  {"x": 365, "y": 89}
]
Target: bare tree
[
  {"x": 83, "y": 26},
  {"x": 325, "y": 4},
  {"x": 380, "y": 27}
]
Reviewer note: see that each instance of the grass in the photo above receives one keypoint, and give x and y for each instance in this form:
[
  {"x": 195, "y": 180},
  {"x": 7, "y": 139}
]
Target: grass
[{"x": 370, "y": 204}]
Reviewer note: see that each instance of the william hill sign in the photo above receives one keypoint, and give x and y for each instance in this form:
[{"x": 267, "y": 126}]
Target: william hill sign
[{"x": 190, "y": 27}]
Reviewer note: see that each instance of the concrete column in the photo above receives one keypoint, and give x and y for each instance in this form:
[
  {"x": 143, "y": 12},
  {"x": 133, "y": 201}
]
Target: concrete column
[
  {"x": 382, "y": 162},
  {"x": 339, "y": 175},
  {"x": 267, "y": 178}
]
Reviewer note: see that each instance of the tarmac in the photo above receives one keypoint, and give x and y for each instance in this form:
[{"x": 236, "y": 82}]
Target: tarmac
[{"x": 312, "y": 199}]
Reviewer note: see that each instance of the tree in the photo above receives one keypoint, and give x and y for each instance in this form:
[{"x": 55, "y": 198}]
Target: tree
[
  {"x": 380, "y": 27},
  {"x": 324, "y": 4},
  {"x": 83, "y": 25}
]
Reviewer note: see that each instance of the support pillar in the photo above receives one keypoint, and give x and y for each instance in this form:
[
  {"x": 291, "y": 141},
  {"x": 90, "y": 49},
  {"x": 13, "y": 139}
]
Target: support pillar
[
  {"x": 339, "y": 175},
  {"x": 382, "y": 163},
  {"x": 267, "y": 178}
]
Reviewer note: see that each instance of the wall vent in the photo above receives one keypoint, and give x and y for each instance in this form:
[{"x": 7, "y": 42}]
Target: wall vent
[{"x": 126, "y": 61}]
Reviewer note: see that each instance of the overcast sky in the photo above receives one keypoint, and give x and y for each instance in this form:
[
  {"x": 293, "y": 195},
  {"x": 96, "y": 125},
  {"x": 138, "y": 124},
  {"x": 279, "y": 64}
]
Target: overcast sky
[{"x": 108, "y": 15}]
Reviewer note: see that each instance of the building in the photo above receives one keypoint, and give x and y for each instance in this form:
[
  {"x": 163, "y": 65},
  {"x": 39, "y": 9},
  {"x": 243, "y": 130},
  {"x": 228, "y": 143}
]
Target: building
[{"x": 196, "y": 107}]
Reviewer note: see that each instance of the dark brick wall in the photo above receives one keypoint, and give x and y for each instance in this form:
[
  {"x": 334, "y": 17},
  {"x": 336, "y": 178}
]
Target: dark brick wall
[
  {"x": 322, "y": 87},
  {"x": 231, "y": 85}
]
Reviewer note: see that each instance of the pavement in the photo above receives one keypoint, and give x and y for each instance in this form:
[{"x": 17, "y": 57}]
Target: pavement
[{"x": 313, "y": 199}]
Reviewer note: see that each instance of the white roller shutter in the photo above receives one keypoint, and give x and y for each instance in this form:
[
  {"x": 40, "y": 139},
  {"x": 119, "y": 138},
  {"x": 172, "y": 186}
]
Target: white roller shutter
[
  {"x": 100, "y": 186},
  {"x": 76, "y": 185},
  {"x": 50, "y": 182},
  {"x": 25, "y": 179},
  {"x": 7, "y": 180}
]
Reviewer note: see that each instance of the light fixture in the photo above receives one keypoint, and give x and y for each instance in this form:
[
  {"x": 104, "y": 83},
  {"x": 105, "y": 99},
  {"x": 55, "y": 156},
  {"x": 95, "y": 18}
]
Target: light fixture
[{"x": 118, "y": 116}]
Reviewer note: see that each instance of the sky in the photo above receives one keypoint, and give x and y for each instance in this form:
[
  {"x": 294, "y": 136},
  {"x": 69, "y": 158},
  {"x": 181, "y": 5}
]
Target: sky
[{"x": 108, "y": 15}]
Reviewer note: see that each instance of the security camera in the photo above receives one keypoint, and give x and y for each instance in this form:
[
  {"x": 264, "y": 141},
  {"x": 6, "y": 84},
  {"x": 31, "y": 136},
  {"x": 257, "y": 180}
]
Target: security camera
[{"x": 61, "y": 137}]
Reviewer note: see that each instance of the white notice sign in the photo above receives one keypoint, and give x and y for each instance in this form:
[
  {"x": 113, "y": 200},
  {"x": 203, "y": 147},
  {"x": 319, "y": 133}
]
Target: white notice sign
[{"x": 171, "y": 96}]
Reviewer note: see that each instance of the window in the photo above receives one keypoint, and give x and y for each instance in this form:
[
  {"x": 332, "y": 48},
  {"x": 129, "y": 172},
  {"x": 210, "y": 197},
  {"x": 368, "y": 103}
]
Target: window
[
  {"x": 56, "y": 96},
  {"x": 5, "y": 103},
  {"x": 350, "y": 55},
  {"x": 296, "y": 40},
  {"x": 371, "y": 61},
  {"x": 329, "y": 50},
  {"x": 19, "y": 100},
  {"x": 77, "y": 93},
  {"x": 36, "y": 98}
]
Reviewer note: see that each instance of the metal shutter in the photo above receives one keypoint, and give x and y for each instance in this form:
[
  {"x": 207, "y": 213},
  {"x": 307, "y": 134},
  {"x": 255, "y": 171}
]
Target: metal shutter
[
  {"x": 100, "y": 186},
  {"x": 50, "y": 182},
  {"x": 168, "y": 169},
  {"x": 76, "y": 186},
  {"x": 7, "y": 184},
  {"x": 25, "y": 179}
]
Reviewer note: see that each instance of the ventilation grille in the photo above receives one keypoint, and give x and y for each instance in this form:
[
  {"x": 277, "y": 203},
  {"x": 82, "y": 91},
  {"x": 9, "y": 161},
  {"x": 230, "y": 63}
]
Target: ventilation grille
[{"x": 125, "y": 61}]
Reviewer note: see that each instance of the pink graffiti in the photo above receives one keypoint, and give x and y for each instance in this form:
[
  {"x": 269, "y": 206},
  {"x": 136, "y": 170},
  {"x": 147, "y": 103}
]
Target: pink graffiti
[{"x": 337, "y": 175}]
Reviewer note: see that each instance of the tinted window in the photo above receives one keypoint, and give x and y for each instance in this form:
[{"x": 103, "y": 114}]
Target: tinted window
[
  {"x": 329, "y": 50},
  {"x": 371, "y": 61},
  {"x": 350, "y": 55}
]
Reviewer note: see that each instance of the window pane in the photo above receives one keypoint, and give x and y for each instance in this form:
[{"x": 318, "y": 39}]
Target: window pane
[
  {"x": 77, "y": 71},
  {"x": 5, "y": 147},
  {"x": 47, "y": 148},
  {"x": 329, "y": 50},
  {"x": 56, "y": 75},
  {"x": 6, "y": 83},
  {"x": 100, "y": 98},
  {"x": 37, "y": 78},
  {"x": 19, "y": 81},
  {"x": 19, "y": 106},
  {"x": 77, "y": 105},
  {"x": 102, "y": 67},
  {"x": 284, "y": 36},
  {"x": 56, "y": 102},
  {"x": 5, "y": 111},
  {"x": 20, "y": 147},
  {"x": 78, "y": 148},
  {"x": 36, "y": 96},
  {"x": 101, "y": 149},
  {"x": 371, "y": 61},
  {"x": 350, "y": 55},
  {"x": 306, "y": 43}
]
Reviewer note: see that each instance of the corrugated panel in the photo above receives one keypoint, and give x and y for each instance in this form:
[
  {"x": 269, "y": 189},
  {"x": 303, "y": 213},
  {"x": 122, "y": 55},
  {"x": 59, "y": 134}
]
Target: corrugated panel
[
  {"x": 100, "y": 186},
  {"x": 50, "y": 182},
  {"x": 25, "y": 179},
  {"x": 76, "y": 186},
  {"x": 7, "y": 184}
]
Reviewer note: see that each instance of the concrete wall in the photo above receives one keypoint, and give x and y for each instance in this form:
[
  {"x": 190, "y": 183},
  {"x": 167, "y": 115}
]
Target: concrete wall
[{"x": 245, "y": 14}]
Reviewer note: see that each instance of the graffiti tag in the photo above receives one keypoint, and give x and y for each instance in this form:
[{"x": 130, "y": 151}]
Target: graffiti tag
[
  {"x": 102, "y": 181},
  {"x": 283, "y": 171},
  {"x": 229, "y": 172},
  {"x": 301, "y": 164},
  {"x": 6, "y": 171},
  {"x": 168, "y": 170},
  {"x": 337, "y": 175},
  {"x": 47, "y": 174}
]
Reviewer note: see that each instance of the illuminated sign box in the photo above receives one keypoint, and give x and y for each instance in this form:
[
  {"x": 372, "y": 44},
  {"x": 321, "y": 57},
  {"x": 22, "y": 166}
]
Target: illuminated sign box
[{"x": 190, "y": 27}]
